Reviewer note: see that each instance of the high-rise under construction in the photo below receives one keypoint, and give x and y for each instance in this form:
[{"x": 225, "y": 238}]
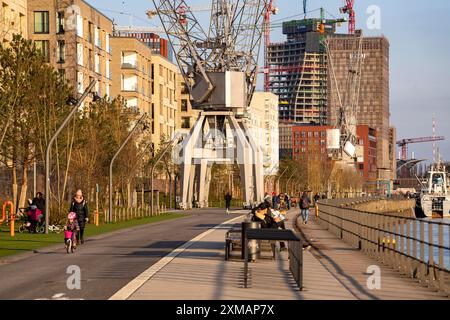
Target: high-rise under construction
[
  {"x": 298, "y": 71},
  {"x": 303, "y": 76}
]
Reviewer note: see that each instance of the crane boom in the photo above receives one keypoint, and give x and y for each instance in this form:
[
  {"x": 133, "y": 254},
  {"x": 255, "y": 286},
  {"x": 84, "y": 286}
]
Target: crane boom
[
  {"x": 404, "y": 143},
  {"x": 348, "y": 9}
]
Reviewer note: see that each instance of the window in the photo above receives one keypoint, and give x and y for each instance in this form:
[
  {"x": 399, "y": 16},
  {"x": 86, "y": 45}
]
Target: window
[
  {"x": 61, "y": 53},
  {"x": 60, "y": 23},
  {"x": 41, "y": 22},
  {"x": 185, "y": 122},
  {"x": 108, "y": 73},
  {"x": 79, "y": 26},
  {"x": 90, "y": 28},
  {"x": 97, "y": 63},
  {"x": 43, "y": 47},
  {"x": 80, "y": 57},
  {"x": 80, "y": 79}
]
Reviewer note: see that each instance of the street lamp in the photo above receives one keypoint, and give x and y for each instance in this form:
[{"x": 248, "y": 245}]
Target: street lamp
[
  {"x": 287, "y": 182},
  {"x": 49, "y": 148},
  {"x": 156, "y": 163},
  {"x": 278, "y": 180},
  {"x": 112, "y": 163}
]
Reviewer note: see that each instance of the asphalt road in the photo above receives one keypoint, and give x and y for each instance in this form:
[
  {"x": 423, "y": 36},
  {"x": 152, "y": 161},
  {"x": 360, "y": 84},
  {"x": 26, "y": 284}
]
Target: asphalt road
[{"x": 107, "y": 263}]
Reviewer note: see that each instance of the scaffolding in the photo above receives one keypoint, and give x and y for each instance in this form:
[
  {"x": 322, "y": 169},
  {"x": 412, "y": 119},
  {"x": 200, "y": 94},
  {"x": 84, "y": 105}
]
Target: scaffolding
[{"x": 298, "y": 71}]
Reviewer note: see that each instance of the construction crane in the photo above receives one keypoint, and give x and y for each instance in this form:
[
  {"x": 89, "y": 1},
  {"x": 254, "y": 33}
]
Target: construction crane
[
  {"x": 405, "y": 142},
  {"x": 348, "y": 9},
  {"x": 270, "y": 10},
  {"x": 182, "y": 9},
  {"x": 219, "y": 65}
]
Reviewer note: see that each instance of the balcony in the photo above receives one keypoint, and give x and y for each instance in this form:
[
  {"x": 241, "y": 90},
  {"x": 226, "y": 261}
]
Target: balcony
[
  {"x": 130, "y": 88},
  {"x": 130, "y": 65}
]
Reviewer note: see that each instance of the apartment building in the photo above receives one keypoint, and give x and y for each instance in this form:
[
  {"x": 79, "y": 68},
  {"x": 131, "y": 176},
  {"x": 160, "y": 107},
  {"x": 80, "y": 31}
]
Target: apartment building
[
  {"x": 310, "y": 145},
  {"x": 373, "y": 103},
  {"x": 13, "y": 19},
  {"x": 75, "y": 39},
  {"x": 186, "y": 115},
  {"x": 165, "y": 99},
  {"x": 132, "y": 69},
  {"x": 263, "y": 123}
]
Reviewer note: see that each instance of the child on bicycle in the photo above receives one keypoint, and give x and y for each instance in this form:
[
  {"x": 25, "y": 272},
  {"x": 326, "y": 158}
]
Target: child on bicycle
[{"x": 71, "y": 229}]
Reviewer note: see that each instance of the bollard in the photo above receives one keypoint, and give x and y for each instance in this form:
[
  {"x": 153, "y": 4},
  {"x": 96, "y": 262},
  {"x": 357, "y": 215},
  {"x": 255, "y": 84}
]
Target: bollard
[
  {"x": 11, "y": 216},
  {"x": 96, "y": 218},
  {"x": 317, "y": 212}
]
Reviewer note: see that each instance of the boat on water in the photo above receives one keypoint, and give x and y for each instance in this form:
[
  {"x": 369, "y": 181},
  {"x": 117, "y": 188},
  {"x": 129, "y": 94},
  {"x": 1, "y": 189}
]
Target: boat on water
[{"x": 435, "y": 193}]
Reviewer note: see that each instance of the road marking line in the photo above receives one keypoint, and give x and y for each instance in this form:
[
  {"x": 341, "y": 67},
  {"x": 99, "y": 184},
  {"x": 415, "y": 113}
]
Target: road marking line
[{"x": 136, "y": 283}]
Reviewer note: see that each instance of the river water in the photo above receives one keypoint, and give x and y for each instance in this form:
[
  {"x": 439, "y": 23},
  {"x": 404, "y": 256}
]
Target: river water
[{"x": 435, "y": 227}]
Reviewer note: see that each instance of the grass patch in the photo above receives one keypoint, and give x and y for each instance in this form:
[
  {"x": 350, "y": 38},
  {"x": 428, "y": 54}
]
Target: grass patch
[{"x": 23, "y": 242}]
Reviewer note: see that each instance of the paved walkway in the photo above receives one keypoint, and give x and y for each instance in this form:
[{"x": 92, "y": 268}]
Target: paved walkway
[
  {"x": 332, "y": 271},
  {"x": 349, "y": 266}
]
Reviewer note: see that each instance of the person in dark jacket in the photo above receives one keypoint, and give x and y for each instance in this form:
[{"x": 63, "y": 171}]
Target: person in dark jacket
[
  {"x": 39, "y": 201},
  {"x": 228, "y": 202},
  {"x": 79, "y": 206},
  {"x": 305, "y": 202}
]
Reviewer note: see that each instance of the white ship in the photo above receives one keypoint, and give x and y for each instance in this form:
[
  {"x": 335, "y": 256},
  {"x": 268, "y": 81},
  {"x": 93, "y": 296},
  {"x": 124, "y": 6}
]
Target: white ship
[{"x": 435, "y": 196}]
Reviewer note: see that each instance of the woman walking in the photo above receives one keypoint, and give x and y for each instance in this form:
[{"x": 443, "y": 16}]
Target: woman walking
[{"x": 79, "y": 206}]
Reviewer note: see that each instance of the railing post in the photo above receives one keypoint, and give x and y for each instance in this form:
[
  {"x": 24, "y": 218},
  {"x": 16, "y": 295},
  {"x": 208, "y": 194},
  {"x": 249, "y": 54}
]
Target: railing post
[
  {"x": 441, "y": 257},
  {"x": 431, "y": 266},
  {"x": 423, "y": 267}
]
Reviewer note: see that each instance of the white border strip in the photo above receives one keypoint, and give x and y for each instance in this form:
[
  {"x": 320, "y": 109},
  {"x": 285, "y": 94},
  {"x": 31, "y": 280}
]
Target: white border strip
[{"x": 136, "y": 283}]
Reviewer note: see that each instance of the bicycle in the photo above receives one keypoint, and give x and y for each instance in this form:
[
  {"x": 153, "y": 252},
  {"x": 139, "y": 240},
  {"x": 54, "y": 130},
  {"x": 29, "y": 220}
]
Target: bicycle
[
  {"x": 53, "y": 228},
  {"x": 68, "y": 241}
]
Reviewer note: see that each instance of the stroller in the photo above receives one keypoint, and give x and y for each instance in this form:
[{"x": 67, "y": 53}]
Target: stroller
[{"x": 30, "y": 219}]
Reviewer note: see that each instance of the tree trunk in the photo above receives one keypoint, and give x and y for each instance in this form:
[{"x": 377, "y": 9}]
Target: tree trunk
[
  {"x": 24, "y": 187},
  {"x": 129, "y": 194},
  {"x": 14, "y": 184}
]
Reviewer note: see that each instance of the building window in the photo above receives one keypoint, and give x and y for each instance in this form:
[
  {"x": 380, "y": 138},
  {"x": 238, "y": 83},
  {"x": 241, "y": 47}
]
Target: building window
[
  {"x": 184, "y": 105},
  {"x": 97, "y": 63},
  {"x": 185, "y": 123},
  {"x": 60, "y": 23},
  {"x": 80, "y": 58},
  {"x": 61, "y": 53},
  {"x": 80, "y": 82},
  {"x": 41, "y": 22},
  {"x": 79, "y": 26},
  {"x": 43, "y": 47}
]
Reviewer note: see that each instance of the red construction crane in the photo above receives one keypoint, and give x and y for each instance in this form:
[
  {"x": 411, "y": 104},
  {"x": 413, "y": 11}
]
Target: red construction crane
[
  {"x": 270, "y": 10},
  {"x": 404, "y": 143},
  {"x": 348, "y": 9}
]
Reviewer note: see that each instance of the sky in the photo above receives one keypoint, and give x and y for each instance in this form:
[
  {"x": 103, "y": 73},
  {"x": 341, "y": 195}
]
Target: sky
[{"x": 419, "y": 36}]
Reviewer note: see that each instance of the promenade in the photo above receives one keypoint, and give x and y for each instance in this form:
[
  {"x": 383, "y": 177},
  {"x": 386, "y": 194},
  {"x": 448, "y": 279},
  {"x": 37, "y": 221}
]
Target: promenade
[{"x": 332, "y": 271}]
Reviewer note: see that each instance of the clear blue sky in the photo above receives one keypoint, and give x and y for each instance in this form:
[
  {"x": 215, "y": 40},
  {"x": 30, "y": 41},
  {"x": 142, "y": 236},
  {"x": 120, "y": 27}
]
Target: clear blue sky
[{"x": 419, "y": 34}]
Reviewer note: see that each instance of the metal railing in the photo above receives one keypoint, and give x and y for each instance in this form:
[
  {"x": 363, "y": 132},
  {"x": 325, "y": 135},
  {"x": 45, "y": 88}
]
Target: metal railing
[
  {"x": 418, "y": 248},
  {"x": 296, "y": 261}
]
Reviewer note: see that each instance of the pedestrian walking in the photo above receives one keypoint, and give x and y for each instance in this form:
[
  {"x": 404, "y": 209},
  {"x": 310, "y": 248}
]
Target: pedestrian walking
[
  {"x": 79, "y": 206},
  {"x": 39, "y": 202},
  {"x": 287, "y": 201},
  {"x": 228, "y": 202},
  {"x": 304, "y": 207},
  {"x": 316, "y": 198}
]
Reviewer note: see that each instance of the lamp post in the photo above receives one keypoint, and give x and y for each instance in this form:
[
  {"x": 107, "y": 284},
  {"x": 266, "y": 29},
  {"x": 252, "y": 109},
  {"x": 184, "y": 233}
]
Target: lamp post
[
  {"x": 287, "y": 182},
  {"x": 112, "y": 163},
  {"x": 154, "y": 166},
  {"x": 49, "y": 148},
  {"x": 277, "y": 185}
]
